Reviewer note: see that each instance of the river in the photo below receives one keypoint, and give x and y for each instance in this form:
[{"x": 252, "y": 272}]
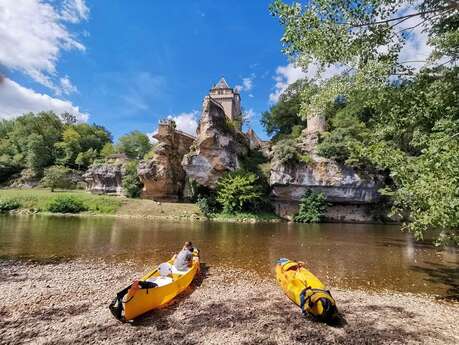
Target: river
[{"x": 375, "y": 257}]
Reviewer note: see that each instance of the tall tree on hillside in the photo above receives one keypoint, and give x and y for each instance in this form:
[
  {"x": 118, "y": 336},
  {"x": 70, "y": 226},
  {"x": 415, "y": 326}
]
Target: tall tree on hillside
[
  {"x": 408, "y": 115},
  {"x": 284, "y": 116},
  {"x": 134, "y": 144}
]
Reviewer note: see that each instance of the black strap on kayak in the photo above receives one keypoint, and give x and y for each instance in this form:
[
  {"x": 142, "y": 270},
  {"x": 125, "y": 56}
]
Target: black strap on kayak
[
  {"x": 116, "y": 306},
  {"x": 304, "y": 299}
]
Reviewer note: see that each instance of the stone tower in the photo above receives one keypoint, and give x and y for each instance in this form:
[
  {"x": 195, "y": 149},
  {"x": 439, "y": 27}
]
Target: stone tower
[{"x": 229, "y": 99}]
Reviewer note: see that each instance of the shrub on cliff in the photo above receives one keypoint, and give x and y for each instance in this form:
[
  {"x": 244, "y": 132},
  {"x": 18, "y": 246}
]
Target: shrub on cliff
[
  {"x": 66, "y": 204},
  {"x": 313, "y": 206},
  {"x": 285, "y": 151},
  {"x": 131, "y": 183},
  {"x": 239, "y": 191}
]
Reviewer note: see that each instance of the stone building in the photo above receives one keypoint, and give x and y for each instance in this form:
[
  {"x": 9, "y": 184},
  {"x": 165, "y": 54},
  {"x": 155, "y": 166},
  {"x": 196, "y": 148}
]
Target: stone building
[{"x": 229, "y": 99}]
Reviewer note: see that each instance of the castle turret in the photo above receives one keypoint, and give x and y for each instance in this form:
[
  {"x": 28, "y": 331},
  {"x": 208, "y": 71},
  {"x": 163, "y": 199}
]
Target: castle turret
[{"x": 229, "y": 99}]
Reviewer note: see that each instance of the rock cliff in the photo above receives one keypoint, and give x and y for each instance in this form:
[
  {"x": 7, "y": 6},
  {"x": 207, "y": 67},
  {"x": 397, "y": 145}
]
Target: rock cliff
[
  {"x": 163, "y": 176},
  {"x": 105, "y": 178},
  {"x": 217, "y": 148},
  {"x": 350, "y": 193}
]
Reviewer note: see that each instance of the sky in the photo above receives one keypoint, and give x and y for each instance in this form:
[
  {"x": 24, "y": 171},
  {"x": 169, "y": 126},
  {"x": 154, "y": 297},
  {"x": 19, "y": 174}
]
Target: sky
[{"x": 127, "y": 64}]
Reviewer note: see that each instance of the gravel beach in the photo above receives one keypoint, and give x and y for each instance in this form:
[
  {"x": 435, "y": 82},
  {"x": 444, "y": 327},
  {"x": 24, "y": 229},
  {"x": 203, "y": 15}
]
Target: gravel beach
[{"x": 66, "y": 303}]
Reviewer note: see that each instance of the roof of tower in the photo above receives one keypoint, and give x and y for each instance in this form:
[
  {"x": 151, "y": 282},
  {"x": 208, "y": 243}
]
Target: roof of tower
[{"x": 222, "y": 84}]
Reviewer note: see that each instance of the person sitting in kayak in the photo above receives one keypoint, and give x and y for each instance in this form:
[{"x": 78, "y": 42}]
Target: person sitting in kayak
[{"x": 184, "y": 258}]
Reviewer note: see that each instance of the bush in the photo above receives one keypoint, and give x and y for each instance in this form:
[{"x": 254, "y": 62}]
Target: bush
[
  {"x": 66, "y": 204},
  {"x": 239, "y": 191},
  {"x": 8, "y": 205},
  {"x": 285, "y": 151},
  {"x": 131, "y": 183},
  {"x": 306, "y": 159},
  {"x": 313, "y": 206},
  {"x": 208, "y": 205},
  {"x": 57, "y": 176}
]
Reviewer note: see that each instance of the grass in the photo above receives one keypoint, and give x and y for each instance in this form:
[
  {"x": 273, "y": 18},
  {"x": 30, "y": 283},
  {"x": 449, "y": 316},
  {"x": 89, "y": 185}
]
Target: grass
[
  {"x": 38, "y": 199},
  {"x": 245, "y": 217}
]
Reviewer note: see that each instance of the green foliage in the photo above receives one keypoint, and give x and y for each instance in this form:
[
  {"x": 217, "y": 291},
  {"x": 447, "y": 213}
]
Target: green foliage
[
  {"x": 150, "y": 154},
  {"x": 81, "y": 144},
  {"x": 313, "y": 207},
  {"x": 208, "y": 205},
  {"x": 284, "y": 119},
  {"x": 346, "y": 131},
  {"x": 66, "y": 204},
  {"x": 285, "y": 151},
  {"x": 306, "y": 159},
  {"x": 135, "y": 144},
  {"x": 131, "y": 183},
  {"x": 390, "y": 118},
  {"x": 8, "y": 205},
  {"x": 57, "y": 177},
  {"x": 36, "y": 141},
  {"x": 107, "y": 150},
  {"x": 239, "y": 191}
]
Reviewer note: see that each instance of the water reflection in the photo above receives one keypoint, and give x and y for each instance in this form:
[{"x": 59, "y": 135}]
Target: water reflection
[{"x": 346, "y": 255}]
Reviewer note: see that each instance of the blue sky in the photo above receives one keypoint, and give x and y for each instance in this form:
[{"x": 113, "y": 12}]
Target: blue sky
[
  {"x": 145, "y": 60},
  {"x": 128, "y": 64}
]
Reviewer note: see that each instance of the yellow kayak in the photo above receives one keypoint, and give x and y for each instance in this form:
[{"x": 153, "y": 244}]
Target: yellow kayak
[
  {"x": 305, "y": 289},
  {"x": 154, "y": 290}
]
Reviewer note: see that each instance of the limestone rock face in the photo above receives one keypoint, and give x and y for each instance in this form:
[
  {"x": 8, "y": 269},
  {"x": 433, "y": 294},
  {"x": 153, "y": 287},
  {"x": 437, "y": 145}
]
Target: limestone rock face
[
  {"x": 217, "y": 148},
  {"x": 163, "y": 176},
  {"x": 351, "y": 193},
  {"x": 105, "y": 178}
]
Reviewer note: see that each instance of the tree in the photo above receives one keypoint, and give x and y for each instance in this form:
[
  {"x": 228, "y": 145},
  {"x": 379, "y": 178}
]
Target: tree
[
  {"x": 282, "y": 117},
  {"x": 81, "y": 144},
  {"x": 107, "y": 150},
  {"x": 239, "y": 191},
  {"x": 395, "y": 119},
  {"x": 313, "y": 207},
  {"x": 135, "y": 144},
  {"x": 57, "y": 177},
  {"x": 131, "y": 183}
]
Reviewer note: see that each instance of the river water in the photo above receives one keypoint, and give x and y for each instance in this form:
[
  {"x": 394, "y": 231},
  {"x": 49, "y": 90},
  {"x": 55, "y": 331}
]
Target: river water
[{"x": 375, "y": 257}]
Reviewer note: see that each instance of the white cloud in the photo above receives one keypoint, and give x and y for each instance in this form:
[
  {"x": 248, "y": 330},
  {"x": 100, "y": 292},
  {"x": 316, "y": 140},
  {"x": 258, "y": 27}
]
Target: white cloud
[
  {"x": 150, "y": 136},
  {"x": 16, "y": 100},
  {"x": 249, "y": 114},
  {"x": 74, "y": 11},
  {"x": 247, "y": 84},
  {"x": 416, "y": 50},
  {"x": 286, "y": 75},
  {"x": 33, "y": 34},
  {"x": 66, "y": 86},
  {"x": 186, "y": 122}
]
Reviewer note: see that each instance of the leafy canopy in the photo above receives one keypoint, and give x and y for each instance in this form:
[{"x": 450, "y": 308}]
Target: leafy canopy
[{"x": 239, "y": 191}]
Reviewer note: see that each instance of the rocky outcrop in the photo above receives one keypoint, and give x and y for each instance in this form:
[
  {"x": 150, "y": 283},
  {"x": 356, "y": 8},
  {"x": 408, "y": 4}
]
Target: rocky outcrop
[
  {"x": 105, "y": 178},
  {"x": 217, "y": 148},
  {"x": 163, "y": 176},
  {"x": 350, "y": 193}
]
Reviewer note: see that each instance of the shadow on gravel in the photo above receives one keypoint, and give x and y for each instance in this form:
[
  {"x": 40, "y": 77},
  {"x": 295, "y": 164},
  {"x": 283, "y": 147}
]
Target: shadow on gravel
[{"x": 442, "y": 274}]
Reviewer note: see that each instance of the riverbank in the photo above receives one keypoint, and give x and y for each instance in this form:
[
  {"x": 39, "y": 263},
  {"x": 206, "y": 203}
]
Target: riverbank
[
  {"x": 66, "y": 302},
  {"x": 35, "y": 201}
]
